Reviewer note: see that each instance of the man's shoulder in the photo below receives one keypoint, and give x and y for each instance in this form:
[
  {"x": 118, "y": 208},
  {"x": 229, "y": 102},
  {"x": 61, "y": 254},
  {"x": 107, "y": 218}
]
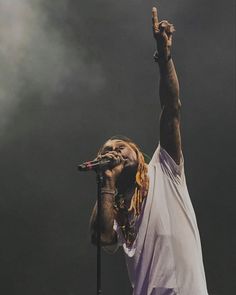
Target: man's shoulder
[{"x": 166, "y": 163}]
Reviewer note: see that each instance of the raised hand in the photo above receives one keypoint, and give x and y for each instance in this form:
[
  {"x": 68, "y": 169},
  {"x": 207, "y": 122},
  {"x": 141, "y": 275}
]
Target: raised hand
[{"x": 162, "y": 32}]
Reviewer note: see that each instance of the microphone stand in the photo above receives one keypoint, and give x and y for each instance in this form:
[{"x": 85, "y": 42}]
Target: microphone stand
[
  {"x": 92, "y": 165},
  {"x": 99, "y": 187}
]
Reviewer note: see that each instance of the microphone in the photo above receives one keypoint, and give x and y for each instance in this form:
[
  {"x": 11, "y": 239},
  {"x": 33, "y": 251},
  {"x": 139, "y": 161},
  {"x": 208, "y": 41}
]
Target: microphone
[{"x": 99, "y": 164}]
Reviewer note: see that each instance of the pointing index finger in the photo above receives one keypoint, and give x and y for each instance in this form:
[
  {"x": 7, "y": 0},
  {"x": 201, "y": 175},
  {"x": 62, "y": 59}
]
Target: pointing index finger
[{"x": 154, "y": 19}]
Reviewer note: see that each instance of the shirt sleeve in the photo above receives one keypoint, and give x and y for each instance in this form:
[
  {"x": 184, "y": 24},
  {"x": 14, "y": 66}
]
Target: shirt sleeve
[
  {"x": 167, "y": 160},
  {"x": 168, "y": 164}
]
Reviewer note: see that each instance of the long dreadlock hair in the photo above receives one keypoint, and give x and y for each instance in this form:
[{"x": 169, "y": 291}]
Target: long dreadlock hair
[{"x": 141, "y": 178}]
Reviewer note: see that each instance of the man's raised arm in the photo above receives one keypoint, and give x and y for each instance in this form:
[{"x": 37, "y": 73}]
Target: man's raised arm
[{"x": 170, "y": 138}]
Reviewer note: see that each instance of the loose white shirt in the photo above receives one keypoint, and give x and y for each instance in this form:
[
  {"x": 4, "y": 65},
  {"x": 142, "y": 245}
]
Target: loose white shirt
[{"x": 166, "y": 256}]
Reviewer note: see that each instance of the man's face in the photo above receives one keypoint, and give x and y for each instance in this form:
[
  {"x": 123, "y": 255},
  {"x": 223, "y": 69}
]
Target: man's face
[{"x": 123, "y": 149}]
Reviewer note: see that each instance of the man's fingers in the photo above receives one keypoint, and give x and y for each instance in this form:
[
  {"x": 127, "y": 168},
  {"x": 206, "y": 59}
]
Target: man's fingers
[
  {"x": 154, "y": 15},
  {"x": 155, "y": 20},
  {"x": 171, "y": 29},
  {"x": 165, "y": 26}
]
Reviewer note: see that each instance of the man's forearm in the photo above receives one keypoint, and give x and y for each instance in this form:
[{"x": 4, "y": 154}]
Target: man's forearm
[
  {"x": 169, "y": 85},
  {"x": 106, "y": 221}
]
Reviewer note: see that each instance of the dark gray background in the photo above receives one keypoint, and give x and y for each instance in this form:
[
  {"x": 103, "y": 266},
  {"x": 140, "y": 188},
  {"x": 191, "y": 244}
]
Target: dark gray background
[{"x": 74, "y": 73}]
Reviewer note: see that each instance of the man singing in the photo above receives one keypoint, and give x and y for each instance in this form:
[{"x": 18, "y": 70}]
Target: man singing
[{"x": 146, "y": 209}]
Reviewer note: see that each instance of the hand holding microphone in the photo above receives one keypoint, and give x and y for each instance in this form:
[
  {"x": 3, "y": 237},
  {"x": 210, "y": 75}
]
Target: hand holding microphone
[{"x": 111, "y": 163}]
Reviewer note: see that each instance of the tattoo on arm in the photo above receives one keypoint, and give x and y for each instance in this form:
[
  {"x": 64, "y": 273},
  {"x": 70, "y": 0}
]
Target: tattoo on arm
[
  {"x": 170, "y": 137},
  {"x": 108, "y": 235}
]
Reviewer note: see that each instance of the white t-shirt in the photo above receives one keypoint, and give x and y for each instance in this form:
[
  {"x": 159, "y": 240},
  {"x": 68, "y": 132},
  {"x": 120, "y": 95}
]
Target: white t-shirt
[{"x": 166, "y": 256}]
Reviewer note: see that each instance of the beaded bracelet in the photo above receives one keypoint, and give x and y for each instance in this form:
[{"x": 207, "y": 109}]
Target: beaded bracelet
[{"x": 109, "y": 192}]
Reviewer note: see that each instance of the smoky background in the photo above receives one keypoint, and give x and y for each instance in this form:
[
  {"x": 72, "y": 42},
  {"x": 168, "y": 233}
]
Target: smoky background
[{"x": 74, "y": 73}]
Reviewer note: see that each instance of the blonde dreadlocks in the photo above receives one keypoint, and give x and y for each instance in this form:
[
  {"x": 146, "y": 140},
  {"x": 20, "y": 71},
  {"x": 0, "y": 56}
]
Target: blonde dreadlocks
[
  {"x": 141, "y": 184},
  {"x": 141, "y": 179}
]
